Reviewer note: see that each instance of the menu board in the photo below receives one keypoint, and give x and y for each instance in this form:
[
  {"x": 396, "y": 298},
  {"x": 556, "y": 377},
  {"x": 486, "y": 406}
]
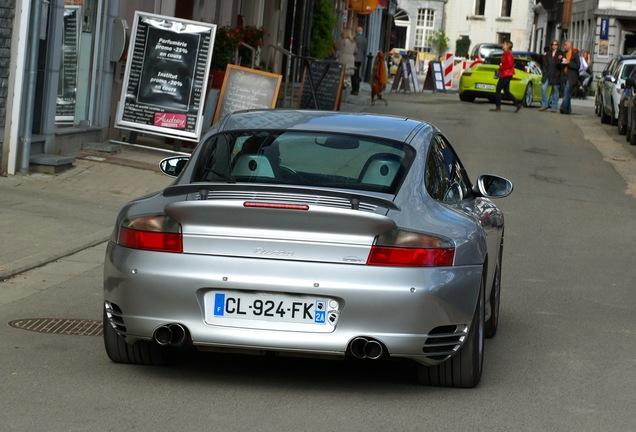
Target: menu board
[
  {"x": 245, "y": 88},
  {"x": 322, "y": 85},
  {"x": 67, "y": 86},
  {"x": 166, "y": 76}
]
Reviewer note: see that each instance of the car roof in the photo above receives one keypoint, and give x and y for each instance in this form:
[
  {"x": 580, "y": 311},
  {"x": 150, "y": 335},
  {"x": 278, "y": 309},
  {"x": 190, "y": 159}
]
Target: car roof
[
  {"x": 617, "y": 60},
  {"x": 362, "y": 124},
  {"x": 517, "y": 54}
]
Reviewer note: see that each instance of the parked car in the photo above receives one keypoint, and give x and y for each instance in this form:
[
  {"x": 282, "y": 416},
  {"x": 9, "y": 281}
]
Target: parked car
[
  {"x": 623, "y": 105},
  {"x": 610, "y": 91},
  {"x": 312, "y": 233},
  {"x": 630, "y": 109},
  {"x": 479, "y": 81},
  {"x": 602, "y": 82},
  {"x": 482, "y": 50}
]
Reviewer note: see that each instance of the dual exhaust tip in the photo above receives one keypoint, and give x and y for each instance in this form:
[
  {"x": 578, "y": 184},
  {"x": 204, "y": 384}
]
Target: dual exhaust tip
[
  {"x": 360, "y": 347},
  {"x": 171, "y": 334},
  {"x": 366, "y": 348}
]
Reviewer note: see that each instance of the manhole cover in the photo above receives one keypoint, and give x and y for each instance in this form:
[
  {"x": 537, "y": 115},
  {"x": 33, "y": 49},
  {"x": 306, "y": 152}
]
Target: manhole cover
[{"x": 72, "y": 327}]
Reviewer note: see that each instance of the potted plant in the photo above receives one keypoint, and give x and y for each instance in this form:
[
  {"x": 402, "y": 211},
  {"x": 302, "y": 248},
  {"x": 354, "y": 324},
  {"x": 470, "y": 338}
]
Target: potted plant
[{"x": 226, "y": 42}]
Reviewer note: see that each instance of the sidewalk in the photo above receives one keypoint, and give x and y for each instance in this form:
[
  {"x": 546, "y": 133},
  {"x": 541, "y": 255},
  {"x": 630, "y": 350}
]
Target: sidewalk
[{"x": 47, "y": 217}]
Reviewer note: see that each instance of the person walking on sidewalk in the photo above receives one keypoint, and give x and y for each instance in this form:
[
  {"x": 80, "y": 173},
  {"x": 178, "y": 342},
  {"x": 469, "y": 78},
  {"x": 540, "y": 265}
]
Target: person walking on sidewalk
[
  {"x": 506, "y": 71},
  {"x": 570, "y": 64},
  {"x": 361, "y": 44},
  {"x": 347, "y": 51},
  {"x": 551, "y": 64}
]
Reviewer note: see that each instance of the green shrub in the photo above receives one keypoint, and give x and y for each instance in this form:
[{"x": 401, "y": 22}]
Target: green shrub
[{"x": 323, "y": 25}]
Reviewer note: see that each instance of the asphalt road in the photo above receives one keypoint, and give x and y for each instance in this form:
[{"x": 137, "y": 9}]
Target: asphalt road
[{"x": 564, "y": 358}]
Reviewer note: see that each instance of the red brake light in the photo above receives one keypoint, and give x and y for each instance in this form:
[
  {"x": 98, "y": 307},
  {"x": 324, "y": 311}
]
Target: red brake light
[
  {"x": 409, "y": 257},
  {"x": 409, "y": 249},
  {"x": 154, "y": 233},
  {"x": 276, "y": 205}
]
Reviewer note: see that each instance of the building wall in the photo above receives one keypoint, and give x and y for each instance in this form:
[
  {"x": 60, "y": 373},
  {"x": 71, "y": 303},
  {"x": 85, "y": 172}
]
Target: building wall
[
  {"x": 7, "y": 14},
  {"x": 462, "y": 21},
  {"x": 411, "y": 8}
]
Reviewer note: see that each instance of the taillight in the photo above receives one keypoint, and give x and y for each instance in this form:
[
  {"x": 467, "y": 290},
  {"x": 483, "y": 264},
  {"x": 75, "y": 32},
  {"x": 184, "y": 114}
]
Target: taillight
[
  {"x": 153, "y": 233},
  {"x": 467, "y": 73},
  {"x": 280, "y": 206},
  {"x": 401, "y": 248}
]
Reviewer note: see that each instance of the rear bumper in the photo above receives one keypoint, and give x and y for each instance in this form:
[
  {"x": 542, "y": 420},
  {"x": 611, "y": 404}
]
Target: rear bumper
[{"x": 398, "y": 307}]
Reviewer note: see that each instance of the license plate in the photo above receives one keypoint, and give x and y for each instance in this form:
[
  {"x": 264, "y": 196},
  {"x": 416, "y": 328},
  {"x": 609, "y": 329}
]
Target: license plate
[
  {"x": 485, "y": 86},
  {"x": 234, "y": 308}
]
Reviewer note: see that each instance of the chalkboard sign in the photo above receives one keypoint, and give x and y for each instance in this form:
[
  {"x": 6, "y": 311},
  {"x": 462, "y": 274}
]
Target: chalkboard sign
[
  {"x": 166, "y": 76},
  {"x": 245, "y": 88},
  {"x": 321, "y": 87},
  {"x": 66, "y": 91}
]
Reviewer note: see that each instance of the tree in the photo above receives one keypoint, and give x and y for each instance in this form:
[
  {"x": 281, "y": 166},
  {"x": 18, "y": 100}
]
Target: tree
[
  {"x": 461, "y": 46},
  {"x": 322, "y": 27},
  {"x": 439, "y": 41}
]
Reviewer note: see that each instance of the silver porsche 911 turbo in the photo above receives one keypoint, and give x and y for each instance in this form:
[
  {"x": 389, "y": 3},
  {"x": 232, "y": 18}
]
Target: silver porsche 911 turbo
[{"x": 312, "y": 233}]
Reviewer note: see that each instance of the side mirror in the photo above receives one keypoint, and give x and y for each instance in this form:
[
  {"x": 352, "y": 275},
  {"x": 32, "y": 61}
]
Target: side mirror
[
  {"x": 630, "y": 82},
  {"x": 173, "y": 166},
  {"x": 492, "y": 186}
]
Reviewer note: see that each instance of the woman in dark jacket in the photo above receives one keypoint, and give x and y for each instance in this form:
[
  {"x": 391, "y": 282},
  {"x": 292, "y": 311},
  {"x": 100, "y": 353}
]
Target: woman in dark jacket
[
  {"x": 506, "y": 71},
  {"x": 551, "y": 78}
]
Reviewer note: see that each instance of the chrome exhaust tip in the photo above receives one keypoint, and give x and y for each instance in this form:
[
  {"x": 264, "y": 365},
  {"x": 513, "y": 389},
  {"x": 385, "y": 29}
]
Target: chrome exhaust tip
[
  {"x": 171, "y": 334},
  {"x": 366, "y": 348}
]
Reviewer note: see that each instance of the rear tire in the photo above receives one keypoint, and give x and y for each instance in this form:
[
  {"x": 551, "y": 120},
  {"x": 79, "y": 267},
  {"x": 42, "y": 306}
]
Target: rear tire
[
  {"x": 463, "y": 370},
  {"x": 632, "y": 137},
  {"x": 605, "y": 119},
  {"x": 622, "y": 128},
  {"x": 466, "y": 98},
  {"x": 147, "y": 353}
]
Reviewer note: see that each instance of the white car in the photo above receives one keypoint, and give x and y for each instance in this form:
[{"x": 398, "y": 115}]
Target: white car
[{"x": 610, "y": 91}]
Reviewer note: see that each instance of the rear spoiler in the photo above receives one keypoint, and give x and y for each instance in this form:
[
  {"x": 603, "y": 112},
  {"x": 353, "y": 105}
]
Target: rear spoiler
[{"x": 204, "y": 188}]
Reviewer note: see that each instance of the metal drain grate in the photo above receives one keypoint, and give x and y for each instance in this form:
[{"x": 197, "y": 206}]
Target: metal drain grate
[{"x": 71, "y": 327}]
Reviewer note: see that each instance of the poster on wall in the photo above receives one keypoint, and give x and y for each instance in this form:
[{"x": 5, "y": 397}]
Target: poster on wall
[
  {"x": 67, "y": 85},
  {"x": 603, "y": 42},
  {"x": 166, "y": 76}
]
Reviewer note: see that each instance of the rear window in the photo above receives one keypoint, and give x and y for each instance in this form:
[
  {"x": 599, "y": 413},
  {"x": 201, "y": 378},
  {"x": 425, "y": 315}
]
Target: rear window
[{"x": 307, "y": 159}]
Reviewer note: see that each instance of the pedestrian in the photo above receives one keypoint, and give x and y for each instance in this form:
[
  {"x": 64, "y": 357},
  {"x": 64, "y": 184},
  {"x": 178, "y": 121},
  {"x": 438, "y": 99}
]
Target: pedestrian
[
  {"x": 379, "y": 74},
  {"x": 585, "y": 73},
  {"x": 505, "y": 72},
  {"x": 361, "y": 46},
  {"x": 551, "y": 79},
  {"x": 570, "y": 64},
  {"x": 346, "y": 52}
]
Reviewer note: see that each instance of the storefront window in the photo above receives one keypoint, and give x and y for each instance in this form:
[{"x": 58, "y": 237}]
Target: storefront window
[{"x": 76, "y": 79}]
